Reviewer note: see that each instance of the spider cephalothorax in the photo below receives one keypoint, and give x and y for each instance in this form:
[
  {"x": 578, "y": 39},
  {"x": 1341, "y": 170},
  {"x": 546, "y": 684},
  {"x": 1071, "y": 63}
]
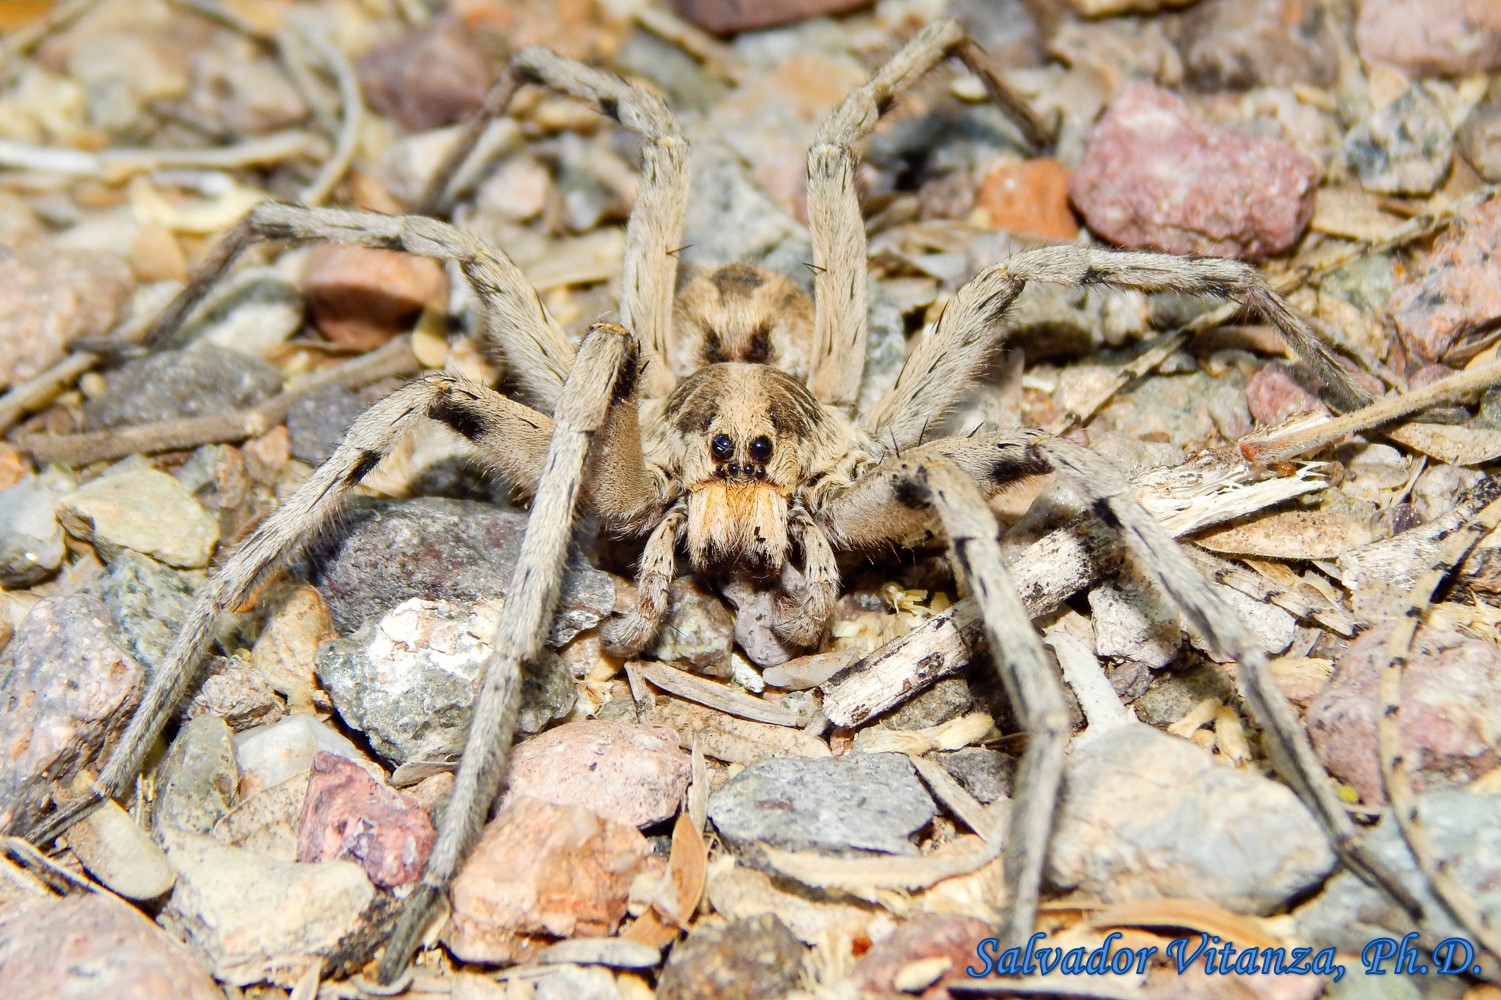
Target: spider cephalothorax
[{"x": 720, "y": 422}]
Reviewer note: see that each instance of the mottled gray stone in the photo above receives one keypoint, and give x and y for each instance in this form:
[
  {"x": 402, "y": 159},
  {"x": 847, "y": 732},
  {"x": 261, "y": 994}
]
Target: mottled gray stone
[
  {"x": 195, "y": 784},
  {"x": 176, "y": 384},
  {"x": 1403, "y": 148},
  {"x": 754, "y": 959},
  {"x": 1146, "y": 816},
  {"x": 140, "y": 509},
  {"x": 408, "y": 679},
  {"x": 1170, "y": 698},
  {"x": 1466, "y": 828},
  {"x": 440, "y": 549},
  {"x": 833, "y": 805},
  {"x": 985, "y": 774},
  {"x": 66, "y": 692},
  {"x": 945, "y": 700},
  {"x": 148, "y": 602},
  {"x": 31, "y": 541},
  {"x": 698, "y": 630}
]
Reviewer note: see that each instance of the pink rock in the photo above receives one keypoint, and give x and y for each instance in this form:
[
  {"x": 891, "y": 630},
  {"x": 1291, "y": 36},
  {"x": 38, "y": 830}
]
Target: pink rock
[
  {"x": 428, "y": 78},
  {"x": 725, "y": 17},
  {"x": 542, "y": 872},
  {"x": 1431, "y": 37},
  {"x": 1274, "y": 394},
  {"x": 632, "y": 774},
  {"x": 94, "y": 945},
  {"x": 1154, "y": 177},
  {"x": 362, "y": 297},
  {"x": 348, "y": 815},
  {"x": 1450, "y": 293},
  {"x": 929, "y": 935},
  {"x": 1450, "y": 721},
  {"x": 50, "y": 298}
]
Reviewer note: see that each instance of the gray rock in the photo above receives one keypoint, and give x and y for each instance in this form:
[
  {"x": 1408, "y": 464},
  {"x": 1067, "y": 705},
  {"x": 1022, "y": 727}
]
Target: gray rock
[
  {"x": 257, "y": 919},
  {"x": 1403, "y": 148},
  {"x": 1146, "y": 815},
  {"x": 985, "y": 774},
  {"x": 1479, "y": 139},
  {"x": 1133, "y": 621},
  {"x": 142, "y": 510},
  {"x": 1240, "y": 44},
  {"x": 253, "y": 311},
  {"x": 440, "y": 549},
  {"x": 1170, "y": 698},
  {"x": 176, "y": 384},
  {"x": 408, "y": 679},
  {"x": 94, "y": 945},
  {"x": 945, "y": 700},
  {"x": 697, "y": 630},
  {"x": 195, "y": 784},
  {"x": 31, "y": 542},
  {"x": 842, "y": 806},
  {"x": 232, "y": 690},
  {"x": 1466, "y": 828},
  {"x": 67, "y": 691},
  {"x": 148, "y": 602},
  {"x": 754, "y": 959},
  {"x": 316, "y": 422}
]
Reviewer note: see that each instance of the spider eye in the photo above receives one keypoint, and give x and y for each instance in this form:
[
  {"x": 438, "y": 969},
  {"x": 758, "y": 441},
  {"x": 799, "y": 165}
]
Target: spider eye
[
  {"x": 760, "y": 449},
  {"x": 722, "y": 448}
]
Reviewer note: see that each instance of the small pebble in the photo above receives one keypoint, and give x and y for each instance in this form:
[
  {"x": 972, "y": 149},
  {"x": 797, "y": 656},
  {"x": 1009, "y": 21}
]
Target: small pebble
[
  {"x": 148, "y": 602},
  {"x": 633, "y": 774},
  {"x": 988, "y": 775},
  {"x": 1479, "y": 139},
  {"x": 1430, "y": 37},
  {"x": 1278, "y": 392},
  {"x": 120, "y": 854},
  {"x": 539, "y": 872},
  {"x": 177, "y": 384},
  {"x": 50, "y": 298},
  {"x": 260, "y": 920},
  {"x": 440, "y": 549},
  {"x": 1450, "y": 722},
  {"x": 928, "y": 949},
  {"x": 1241, "y": 44},
  {"x": 287, "y": 649},
  {"x": 1029, "y": 199},
  {"x": 196, "y": 781},
  {"x": 429, "y": 77},
  {"x": 753, "y": 959},
  {"x": 408, "y": 679},
  {"x": 142, "y": 510},
  {"x": 361, "y": 297},
  {"x": 1466, "y": 830},
  {"x": 1449, "y": 296},
  {"x": 94, "y": 945},
  {"x": 1404, "y": 147},
  {"x": 256, "y": 309},
  {"x": 68, "y": 691},
  {"x": 269, "y": 755},
  {"x": 1223, "y": 836},
  {"x": 1154, "y": 177},
  {"x": 348, "y": 815},
  {"x": 698, "y": 629},
  {"x": 726, "y": 17},
  {"x": 1134, "y": 622},
  {"x": 232, "y": 690},
  {"x": 842, "y": 806},
  {"x": 31, "y": 541}
]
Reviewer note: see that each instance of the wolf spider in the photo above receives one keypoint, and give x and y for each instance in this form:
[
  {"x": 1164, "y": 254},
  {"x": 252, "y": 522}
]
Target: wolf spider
[{"x": 721, "y": 420}]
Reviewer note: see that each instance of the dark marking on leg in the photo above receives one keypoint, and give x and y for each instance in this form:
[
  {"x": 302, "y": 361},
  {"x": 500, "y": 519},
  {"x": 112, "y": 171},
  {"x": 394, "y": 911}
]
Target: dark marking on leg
[{"x": 368, "y": 460}]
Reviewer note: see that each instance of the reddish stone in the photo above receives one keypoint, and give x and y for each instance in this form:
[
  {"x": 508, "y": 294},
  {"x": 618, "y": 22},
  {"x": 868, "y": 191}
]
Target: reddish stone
[
  {"x": 1431, "y": 37},
  {"x": 542, "y": 872},
  {"x": 634, "y": 774},
  {"x": 1275, "y": 393},
  {"x": 1450, "y": 722},
  {"x": 95, "y": 946},
  {"x": 1154, "y": 177},
  {"x": 348, "y": 815},
  {"x": 361, "y": 297},
  {"x": 1451, "y": 294},
  {"x": 725, "y": 17},
  {"x": 1029, "y": 199},
  {"x": 927, "y": 936},
  {"x": 428, "y": 78}
]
